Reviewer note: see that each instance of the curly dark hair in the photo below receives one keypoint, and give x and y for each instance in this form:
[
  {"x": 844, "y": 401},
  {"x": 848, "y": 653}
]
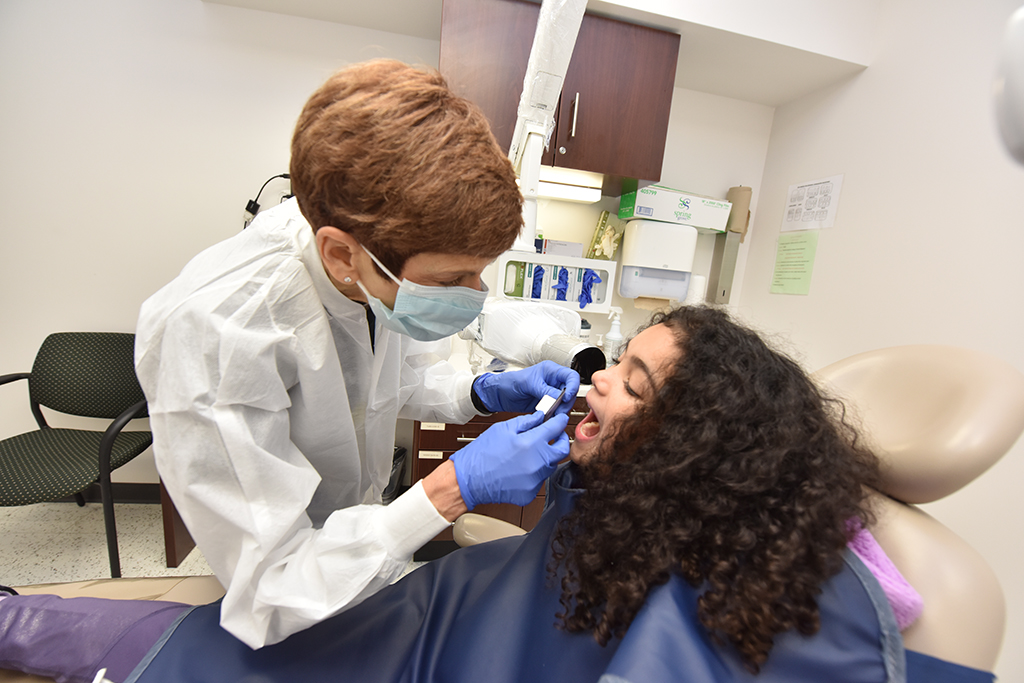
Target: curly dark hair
[{"x": 741, "y": 476}]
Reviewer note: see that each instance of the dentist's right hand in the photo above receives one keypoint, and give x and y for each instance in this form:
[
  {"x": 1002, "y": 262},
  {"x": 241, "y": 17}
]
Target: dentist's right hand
[{"x": 510, "y": 460}]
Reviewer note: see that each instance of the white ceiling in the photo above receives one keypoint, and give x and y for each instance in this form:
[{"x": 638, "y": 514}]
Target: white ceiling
[
  {"x": 710, "y": 60},
  {"x": 418, "y": 18}
]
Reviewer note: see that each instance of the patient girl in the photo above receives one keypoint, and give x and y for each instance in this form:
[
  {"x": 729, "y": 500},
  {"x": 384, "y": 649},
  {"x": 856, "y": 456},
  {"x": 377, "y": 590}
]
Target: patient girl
[{"x": 699, "y": 534}]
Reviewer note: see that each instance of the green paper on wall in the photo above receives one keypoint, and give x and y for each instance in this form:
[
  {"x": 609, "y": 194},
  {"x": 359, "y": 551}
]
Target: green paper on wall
[{"x": 794, "y": 262}]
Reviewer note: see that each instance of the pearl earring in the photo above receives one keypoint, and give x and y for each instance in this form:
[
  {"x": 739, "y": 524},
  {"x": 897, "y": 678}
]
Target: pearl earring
[{"x": 348, "y": 280}]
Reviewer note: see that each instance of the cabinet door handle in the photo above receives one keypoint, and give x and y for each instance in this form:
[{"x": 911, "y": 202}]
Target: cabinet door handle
[
  {"x": 577, "y": 413},
  {"x": 465, "y": 439},
  {"x": 575, "y": 111}
]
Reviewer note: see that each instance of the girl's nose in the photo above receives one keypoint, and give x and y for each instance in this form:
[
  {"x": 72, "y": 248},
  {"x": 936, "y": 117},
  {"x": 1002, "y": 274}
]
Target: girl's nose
[{"x": 599, "y": 379}]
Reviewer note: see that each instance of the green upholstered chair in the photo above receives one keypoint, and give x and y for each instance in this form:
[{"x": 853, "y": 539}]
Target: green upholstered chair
[{"x": 88, "y": 374}]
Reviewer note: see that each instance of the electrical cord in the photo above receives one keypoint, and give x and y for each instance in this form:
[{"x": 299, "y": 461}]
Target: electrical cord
[{"x": 253, "y": 206}]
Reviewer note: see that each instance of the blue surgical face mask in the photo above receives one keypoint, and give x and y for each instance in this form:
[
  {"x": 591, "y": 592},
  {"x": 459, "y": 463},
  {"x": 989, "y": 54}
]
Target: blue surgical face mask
[{"x": 426, "y": 313}]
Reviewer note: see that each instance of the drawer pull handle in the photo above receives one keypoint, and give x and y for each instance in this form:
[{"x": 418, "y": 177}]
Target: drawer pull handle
[
  {"x": 465, "y": 439},
  {"x": 577, "y": 413}
]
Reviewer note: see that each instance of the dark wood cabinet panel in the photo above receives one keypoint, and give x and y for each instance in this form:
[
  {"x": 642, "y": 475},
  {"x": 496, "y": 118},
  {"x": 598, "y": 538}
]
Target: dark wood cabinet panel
[
  {"x": 485, "y": 48},
  {"x": 613, "y": 115}
]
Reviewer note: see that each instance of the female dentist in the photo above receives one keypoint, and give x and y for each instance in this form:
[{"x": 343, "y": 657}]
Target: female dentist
[{"x": 277, "y": 363}]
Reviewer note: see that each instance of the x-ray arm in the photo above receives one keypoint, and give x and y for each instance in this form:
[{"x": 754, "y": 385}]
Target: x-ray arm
[{"x": 553, "y": 43}]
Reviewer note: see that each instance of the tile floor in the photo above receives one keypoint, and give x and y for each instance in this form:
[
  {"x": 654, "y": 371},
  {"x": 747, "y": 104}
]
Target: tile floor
[
  {"x": 52, "y": 542},
  {"x": 55, "y": 542}
]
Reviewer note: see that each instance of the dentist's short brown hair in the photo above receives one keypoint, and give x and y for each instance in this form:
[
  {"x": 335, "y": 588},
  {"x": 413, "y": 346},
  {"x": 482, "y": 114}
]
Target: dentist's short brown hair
[{"x": 387, "y": 153}]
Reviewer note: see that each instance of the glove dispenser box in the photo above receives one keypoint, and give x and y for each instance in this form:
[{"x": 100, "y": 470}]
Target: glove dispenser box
[{"x": 657, "y": 259}]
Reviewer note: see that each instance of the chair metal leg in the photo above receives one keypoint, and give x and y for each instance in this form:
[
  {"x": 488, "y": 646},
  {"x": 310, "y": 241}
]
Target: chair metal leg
[
  {"x": 80, "y": 499},
  {"x": 111, "y": 527},
  {"x": 107, "y": 496}
]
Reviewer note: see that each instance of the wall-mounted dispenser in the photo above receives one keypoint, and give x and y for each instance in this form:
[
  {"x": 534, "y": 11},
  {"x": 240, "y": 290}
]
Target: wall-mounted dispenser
[
  {"x": 657, "y": 259},
  {"x": 590, "y": 282}
]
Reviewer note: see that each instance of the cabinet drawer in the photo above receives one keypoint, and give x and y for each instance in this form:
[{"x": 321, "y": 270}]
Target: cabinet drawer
[
  {"x": 426, "y": 460},
  {"x": 452, "y": 437},
  {"x": 580, "y": 409},
  {"x": 434, "y": 442},
  {"x": 437, "y": 436}
]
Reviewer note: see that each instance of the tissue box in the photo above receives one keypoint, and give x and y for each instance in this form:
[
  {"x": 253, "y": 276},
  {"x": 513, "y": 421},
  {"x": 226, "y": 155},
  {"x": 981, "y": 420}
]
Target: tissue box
[
  {"x": 659, "y": 203},
  {"x": 561, "y": 248}
]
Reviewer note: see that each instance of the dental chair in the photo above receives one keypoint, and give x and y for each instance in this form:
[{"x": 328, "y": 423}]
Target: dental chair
[{"x": 938, "y": 416}]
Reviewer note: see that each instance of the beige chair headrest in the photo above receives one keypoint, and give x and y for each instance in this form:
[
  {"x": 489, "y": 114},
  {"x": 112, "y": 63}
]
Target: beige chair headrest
[{"x": 937, "y": 416}]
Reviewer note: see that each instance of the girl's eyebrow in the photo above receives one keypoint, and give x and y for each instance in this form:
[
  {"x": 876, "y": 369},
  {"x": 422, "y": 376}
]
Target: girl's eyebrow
[{"x": 640, "y": 365}]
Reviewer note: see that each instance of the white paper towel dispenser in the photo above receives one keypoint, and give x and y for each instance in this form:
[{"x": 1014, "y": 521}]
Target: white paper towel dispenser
[{"x": 657, "y": 259}]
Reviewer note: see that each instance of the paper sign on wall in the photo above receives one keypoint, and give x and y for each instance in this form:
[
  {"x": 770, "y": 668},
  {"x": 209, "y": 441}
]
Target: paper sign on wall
[
  {"x": 794, "y": 262},
  {"x": 812, "y": 205}
]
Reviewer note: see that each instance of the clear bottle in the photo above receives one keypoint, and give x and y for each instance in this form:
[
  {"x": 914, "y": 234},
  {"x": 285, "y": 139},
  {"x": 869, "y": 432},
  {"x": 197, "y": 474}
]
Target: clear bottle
[{"x": 613, "y": 339}]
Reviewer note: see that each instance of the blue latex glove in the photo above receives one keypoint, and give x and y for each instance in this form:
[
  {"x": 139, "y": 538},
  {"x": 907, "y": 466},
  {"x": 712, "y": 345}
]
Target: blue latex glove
[
  {"x": 562, "y": 286},
  {"x": 538, "y": 282},
  {"x": 511, "y": 459},
  {"x": 590, "y": 278},
  {"x": 518, "y": 391}
]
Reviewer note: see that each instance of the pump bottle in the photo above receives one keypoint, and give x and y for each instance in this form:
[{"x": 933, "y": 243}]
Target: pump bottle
[{"x": 613, "y": 339}]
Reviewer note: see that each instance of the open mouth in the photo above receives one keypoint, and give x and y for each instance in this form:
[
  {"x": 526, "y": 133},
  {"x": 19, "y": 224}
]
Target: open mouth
[{"x": 588, "y": 428}]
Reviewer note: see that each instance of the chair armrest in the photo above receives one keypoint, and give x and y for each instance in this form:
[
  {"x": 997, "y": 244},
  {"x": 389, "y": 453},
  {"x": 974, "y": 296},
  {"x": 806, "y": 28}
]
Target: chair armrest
[
  {"x": 472, "y": 528},
  {"x": 4, "y": 379},
  {"x": 107, "y": 443}
]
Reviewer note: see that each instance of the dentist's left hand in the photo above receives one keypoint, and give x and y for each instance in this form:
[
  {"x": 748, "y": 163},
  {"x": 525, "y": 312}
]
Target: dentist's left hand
[
  {"x": 518, "y": 391},
  {"x": 510, "y": 460}
]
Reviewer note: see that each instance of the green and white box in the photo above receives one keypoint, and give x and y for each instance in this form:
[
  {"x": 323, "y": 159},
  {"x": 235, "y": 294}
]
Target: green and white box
[{"x": 659, "y": 203}]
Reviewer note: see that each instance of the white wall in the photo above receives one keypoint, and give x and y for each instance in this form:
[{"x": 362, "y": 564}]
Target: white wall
[
  {"x": 131, "y": 136},
  {"x": 928, "y": 236},
  {"x": 843, "y": 29}
]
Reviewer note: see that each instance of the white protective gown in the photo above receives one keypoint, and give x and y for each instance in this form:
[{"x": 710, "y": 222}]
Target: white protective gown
[{"x": 274, "y": 424}]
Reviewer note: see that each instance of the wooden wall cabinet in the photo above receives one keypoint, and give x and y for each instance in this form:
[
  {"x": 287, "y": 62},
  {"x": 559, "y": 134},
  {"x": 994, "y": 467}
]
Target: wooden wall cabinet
[
  {"x": 614, "y": 110},
  {"x": 434, "y": 442}
]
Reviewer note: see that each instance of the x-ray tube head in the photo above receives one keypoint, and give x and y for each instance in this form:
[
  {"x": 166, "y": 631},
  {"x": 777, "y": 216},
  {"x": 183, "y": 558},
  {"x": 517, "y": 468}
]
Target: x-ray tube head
[
  {"x": 527, "y": 332},
  {"x": 573, "y": 352}
]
